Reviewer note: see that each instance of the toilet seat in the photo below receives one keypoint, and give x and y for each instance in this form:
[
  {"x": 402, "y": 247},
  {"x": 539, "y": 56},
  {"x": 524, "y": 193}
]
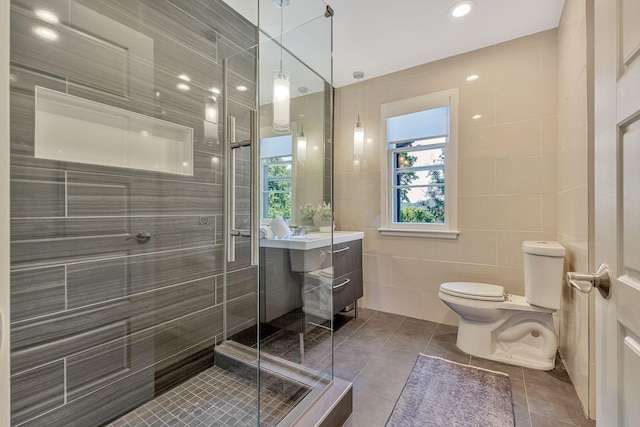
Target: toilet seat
[{"x": 474, "y": 290}]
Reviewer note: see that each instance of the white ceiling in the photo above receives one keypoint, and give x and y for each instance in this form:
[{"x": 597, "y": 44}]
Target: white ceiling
[{"x": 380, "y": 37}]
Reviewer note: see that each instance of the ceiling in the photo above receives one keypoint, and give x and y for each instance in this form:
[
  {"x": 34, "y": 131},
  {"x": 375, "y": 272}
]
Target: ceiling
[{"x": 379, "y": 37}]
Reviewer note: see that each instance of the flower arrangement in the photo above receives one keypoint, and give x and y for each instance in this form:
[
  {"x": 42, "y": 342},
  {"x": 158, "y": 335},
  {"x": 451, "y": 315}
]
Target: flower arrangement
[
  {"x": 307, "y": 211},
  {"x": 324, "y": 211}
]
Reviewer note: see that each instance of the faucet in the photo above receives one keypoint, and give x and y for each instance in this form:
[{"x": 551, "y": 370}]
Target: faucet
[{"x": 300, "y": 230}]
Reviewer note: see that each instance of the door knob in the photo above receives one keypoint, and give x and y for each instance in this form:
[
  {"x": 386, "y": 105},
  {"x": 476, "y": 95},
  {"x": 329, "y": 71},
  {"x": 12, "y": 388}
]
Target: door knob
[{"x": 584, "y": 282}]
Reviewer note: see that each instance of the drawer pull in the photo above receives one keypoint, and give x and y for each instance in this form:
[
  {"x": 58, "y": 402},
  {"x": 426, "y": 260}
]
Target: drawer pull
[
  {"x": 346, "y": 248},
  {"x": 341, "y": 284}
]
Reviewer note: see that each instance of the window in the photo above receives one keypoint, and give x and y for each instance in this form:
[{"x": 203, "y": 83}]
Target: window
[
  {"x": 276, "y": 187},
  {"x": 421, "y": 165},
  {"x": 276, "y": 177}
]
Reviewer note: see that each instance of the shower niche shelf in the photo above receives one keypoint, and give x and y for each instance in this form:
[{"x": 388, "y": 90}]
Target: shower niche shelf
[{"x": 73, "y": 129}]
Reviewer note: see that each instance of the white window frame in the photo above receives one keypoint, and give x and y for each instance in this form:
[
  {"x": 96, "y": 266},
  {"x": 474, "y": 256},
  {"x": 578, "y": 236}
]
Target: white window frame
[{"x": 448, "y": 230}]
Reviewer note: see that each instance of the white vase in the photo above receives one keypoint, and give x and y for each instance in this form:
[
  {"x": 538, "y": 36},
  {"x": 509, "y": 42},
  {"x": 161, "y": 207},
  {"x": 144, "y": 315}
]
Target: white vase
[{"x": 319, "y": 222}]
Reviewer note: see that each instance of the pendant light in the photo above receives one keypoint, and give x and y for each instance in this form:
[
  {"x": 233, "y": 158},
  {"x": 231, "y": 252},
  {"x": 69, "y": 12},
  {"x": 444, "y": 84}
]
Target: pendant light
[
  {"x": 358, "y": 140},
  {"x": 211, "y": 120},
  {"x": 302, "y": 147},
  {"x": 281, "y": 86}
]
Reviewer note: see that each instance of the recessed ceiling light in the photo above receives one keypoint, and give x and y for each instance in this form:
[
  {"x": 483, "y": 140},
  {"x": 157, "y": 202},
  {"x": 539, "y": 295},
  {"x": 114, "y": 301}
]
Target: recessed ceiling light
[
  {"x": 215, "y": 91},
  {"x": 473, "y": 77},
  {"x": 241, "y": 88},
  {"x": 183, "y": 86},
  {"x": 46, "y": 16},
  {"x": 46, "y": 33},
  {"x": 184, "y": 77},
  {"x": 477, "y": 116},
  {"x": 461, "y": 8}
]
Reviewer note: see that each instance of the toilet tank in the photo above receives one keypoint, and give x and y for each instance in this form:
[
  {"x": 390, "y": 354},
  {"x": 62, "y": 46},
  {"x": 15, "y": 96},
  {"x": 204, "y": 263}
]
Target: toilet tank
[{"x": 543, "y": 267}]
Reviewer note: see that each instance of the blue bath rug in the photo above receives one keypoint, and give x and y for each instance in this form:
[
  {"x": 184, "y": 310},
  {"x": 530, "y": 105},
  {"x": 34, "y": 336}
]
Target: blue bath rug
[{"x": 441, "y": 393}]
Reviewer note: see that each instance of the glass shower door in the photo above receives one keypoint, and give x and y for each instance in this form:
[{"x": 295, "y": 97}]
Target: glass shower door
[{"x": 278, "y": 299}]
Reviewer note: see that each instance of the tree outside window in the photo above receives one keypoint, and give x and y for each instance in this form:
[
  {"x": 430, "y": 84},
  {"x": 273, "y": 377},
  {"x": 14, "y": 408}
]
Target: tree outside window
[{"x": 277, "y": 187}]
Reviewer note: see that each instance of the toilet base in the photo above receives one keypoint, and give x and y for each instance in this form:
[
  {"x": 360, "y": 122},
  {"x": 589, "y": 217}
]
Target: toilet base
[{"x": 524, "y": 339}]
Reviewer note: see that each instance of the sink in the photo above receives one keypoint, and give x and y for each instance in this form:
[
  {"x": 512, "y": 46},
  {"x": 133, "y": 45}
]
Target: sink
[
  {"x": 312, "y": 240},
  {"x": 311, "y": 236}
]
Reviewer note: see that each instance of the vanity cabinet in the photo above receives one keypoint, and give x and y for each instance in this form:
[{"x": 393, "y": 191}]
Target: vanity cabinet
[
  {"x": 301, "y": 273},
  {"x": 347, "y": 269},
  {"x": 343, "y": 262}
]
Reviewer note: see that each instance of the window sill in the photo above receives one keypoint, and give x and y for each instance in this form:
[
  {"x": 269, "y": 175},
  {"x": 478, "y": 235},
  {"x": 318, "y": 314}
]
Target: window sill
[{"x": 431, "y": 234}]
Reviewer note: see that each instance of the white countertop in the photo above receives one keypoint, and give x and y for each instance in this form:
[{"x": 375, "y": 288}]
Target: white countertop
[{"x": 312, "y": 240}]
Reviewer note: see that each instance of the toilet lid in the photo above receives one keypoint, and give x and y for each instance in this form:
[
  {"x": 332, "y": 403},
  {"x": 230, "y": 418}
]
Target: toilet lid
[{"x": 473, "y": 290}]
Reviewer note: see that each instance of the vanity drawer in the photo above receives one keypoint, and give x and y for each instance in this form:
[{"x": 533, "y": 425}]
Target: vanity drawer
[
  {"x": 345, "y": 290},
  {"x": 347, "y": 257}
]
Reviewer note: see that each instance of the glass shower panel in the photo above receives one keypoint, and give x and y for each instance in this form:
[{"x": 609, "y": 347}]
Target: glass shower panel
[
  {"x": 296, "y": 276},
  {"x": 117, "y": 255}
]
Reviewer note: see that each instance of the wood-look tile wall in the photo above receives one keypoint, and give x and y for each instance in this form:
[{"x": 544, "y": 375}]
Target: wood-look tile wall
[{"x": 96, "y": 316}]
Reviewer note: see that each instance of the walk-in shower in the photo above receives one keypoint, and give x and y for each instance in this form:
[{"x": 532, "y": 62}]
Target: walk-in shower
[{"x": 149, "y": 142}]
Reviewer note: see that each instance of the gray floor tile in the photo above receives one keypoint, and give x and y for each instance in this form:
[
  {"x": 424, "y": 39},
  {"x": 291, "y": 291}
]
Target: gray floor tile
[
  {"x": 402, "y": 348},
  {"x": 539, "y": 397},
  {"x": 538, "y": 420},
  {"x": 348, "y": 366},
  {"x": 383, "y": 377},
  {"x": 446, "y": 333},
  {"x": 220, "y": 395},
  {"x": 447, "y": 351},
  {"x": 377, "y": 352},
  {"x": 512, "y": 370},
  {"x": 519, "y": 393},
  {"x": 551, "y": 402},
  {"x": 363, "y": 345},
  {"x": 365, "y": 313},
  {"x": 416, "y": 329},
  {"x": 370, "y": 410},
  {"x": 382, "y": 324},
  {"x": 522, "y": 416}
]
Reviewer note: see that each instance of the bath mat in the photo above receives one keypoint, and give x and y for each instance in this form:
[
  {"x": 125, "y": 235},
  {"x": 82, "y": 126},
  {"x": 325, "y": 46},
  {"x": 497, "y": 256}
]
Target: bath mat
[{"x": 441, "y": 393}]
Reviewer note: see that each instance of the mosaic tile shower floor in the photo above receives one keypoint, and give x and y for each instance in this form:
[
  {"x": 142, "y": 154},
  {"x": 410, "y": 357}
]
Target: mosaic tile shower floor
[{"x": 217, "y": 397}]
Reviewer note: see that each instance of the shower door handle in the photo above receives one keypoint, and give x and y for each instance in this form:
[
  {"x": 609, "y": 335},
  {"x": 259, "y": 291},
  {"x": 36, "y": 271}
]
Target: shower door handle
[
  {"x": 230, "y": 214},
  {"x": 254, "y": 231},
  {"x": 255, "y": 184}
]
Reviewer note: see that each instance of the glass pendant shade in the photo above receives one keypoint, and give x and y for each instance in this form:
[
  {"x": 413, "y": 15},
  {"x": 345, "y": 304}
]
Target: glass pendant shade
[
  {"x": 302, "y": 147},
  {"x": 358, "y": 140},
  {"x": 211, "y": 110},
  {"x": 281, "y": 98}
]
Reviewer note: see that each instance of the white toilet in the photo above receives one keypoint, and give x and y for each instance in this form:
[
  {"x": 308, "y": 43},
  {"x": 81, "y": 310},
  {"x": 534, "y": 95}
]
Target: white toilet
[{"x": 510, "y": 328}]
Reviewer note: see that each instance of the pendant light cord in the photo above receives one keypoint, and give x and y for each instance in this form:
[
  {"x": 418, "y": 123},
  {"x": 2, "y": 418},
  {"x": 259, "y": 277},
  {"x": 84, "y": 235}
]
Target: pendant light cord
[{"x": 281, "y": 31}]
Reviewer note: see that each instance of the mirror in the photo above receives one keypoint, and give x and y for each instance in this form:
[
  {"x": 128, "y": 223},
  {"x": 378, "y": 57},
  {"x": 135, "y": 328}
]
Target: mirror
[{"x": 293, "y": 163}]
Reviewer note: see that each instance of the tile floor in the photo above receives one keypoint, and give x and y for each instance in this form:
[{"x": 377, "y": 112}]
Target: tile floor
[
  {"x": 377, "y": 350},
  {"x": 218, "y": 397}
]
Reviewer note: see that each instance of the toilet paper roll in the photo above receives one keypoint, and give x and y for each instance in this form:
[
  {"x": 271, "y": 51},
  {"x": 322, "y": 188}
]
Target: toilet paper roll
[{"x": 280, "y": 228}]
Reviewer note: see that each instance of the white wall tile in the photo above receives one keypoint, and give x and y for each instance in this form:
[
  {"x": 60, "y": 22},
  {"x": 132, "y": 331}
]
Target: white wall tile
[{"x": 517, "y": 89}]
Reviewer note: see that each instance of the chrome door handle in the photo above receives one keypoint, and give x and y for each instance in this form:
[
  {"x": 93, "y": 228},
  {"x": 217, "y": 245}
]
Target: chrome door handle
[{"x": 585, "y": 282}]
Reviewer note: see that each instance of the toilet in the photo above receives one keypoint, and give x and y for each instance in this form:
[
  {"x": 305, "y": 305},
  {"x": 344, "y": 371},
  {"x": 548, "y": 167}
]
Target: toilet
[{"x": 509, "y": 328}]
